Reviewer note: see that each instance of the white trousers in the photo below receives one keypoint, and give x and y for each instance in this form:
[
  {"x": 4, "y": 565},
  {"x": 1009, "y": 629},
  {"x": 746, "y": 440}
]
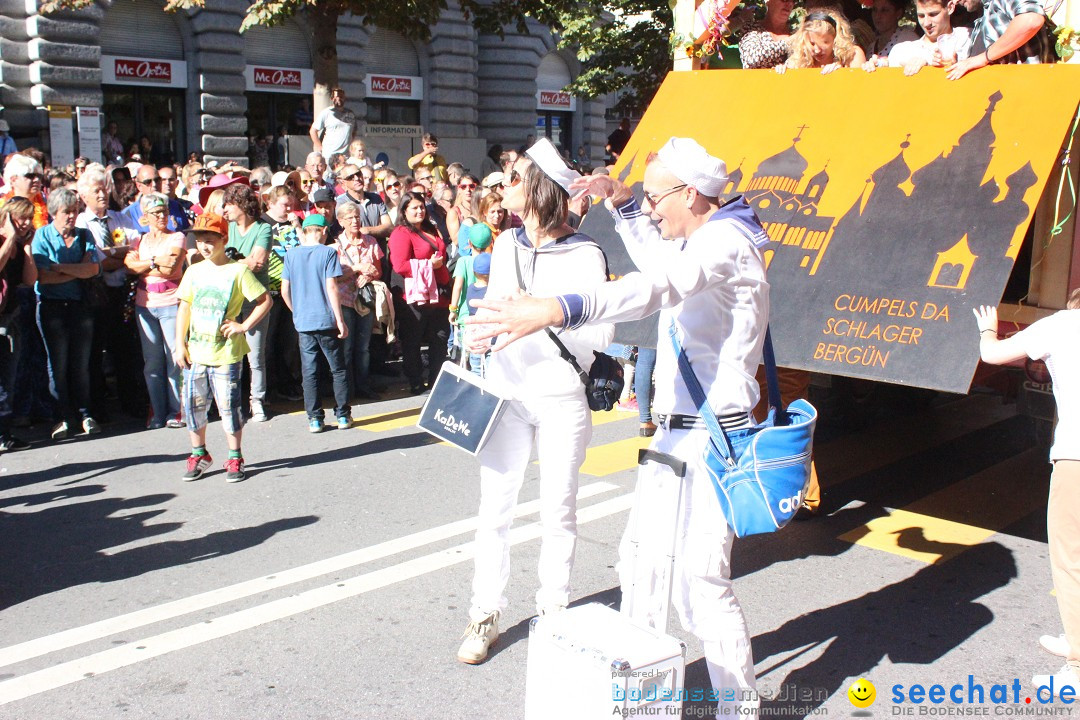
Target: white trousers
[
  {"x": 561, "y": 429},
  {"x": 701, "y": 582}
]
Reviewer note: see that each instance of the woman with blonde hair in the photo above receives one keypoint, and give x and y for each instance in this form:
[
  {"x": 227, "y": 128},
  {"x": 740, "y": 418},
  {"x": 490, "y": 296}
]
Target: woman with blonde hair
[
  {"x": 824, "y": 40},
  {"x": 156, "y": 258},
  {"x": 765, "y": 43},
  {"x": 461, "y": 212}
]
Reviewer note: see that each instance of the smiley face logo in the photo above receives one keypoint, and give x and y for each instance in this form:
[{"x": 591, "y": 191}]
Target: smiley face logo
[{"x": 862, "y": 693}]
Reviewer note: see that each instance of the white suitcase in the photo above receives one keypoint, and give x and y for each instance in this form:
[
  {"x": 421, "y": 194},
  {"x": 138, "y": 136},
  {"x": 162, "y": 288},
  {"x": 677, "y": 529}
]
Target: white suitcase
[{"x": 591, "y": 662}]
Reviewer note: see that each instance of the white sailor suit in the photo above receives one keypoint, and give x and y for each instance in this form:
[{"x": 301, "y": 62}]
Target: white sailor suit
[
  {"x": 547, "y": 407},
  {"x": 712, "y": 286}
]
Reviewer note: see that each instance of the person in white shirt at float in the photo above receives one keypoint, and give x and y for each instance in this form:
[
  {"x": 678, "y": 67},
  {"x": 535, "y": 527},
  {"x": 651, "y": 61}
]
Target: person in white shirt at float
[{"x": 1055, "y": 340}]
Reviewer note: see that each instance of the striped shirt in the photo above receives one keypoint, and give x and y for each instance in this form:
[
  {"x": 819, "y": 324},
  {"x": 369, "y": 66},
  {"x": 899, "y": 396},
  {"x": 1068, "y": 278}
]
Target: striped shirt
[{"x": 997, "y": 14}]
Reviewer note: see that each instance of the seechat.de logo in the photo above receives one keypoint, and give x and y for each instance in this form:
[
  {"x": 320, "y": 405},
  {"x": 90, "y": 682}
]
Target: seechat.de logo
[{"x": 862, "y": 693}]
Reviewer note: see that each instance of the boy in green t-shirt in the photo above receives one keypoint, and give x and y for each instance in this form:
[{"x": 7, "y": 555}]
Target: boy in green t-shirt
[{"x": 211, "y": 344}]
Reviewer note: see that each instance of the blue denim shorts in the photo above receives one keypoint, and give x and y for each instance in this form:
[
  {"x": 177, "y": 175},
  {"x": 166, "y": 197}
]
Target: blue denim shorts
[{"x": 223, "y": 381}]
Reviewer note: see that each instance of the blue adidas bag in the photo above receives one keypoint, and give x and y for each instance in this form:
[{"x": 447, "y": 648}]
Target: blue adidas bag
[{"x": 762, "y": 489}]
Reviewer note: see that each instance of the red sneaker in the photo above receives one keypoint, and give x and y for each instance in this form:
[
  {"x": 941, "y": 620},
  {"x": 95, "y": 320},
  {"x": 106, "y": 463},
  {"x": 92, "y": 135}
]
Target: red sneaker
[
  {"x": 196, "y": 466},
  {"x": 234, "y": 470}
]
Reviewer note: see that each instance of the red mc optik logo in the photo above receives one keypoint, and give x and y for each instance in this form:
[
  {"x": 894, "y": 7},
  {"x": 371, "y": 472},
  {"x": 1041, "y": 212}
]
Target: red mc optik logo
[
  {"x": 552, "y": 97},
  {"x": 269, "y": 77},
  {"x": 391, "y": 85},
  {"x": 154, "y": 70}
]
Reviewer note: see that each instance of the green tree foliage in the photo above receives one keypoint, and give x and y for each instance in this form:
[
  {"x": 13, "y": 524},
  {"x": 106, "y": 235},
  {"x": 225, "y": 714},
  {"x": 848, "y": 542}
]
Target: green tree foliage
[{"x": 624, "y": 45}]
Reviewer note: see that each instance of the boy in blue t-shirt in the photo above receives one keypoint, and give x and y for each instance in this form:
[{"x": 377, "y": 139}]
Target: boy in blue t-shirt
[
  {"x": 481, "y": 267},
  {"x": 309, "y": 288}
]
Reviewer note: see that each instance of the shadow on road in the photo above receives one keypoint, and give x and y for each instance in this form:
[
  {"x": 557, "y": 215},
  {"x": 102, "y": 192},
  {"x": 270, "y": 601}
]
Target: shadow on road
[
  {"x": 70, "y": 473},
  {"x": 59, "y": 547},
  {"x": 359, "y": 449}
]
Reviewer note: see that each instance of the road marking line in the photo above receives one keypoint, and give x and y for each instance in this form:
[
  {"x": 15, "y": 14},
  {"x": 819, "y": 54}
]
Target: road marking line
[
  {"x": 612, "y": 457},
  {"x": 388, "y": 421},
  {"x": 931, "y": 530},
  {"x": 603, "y": 417},
  {"x": 139, "y": 618},
  {"x": 919, "y": 537},
  {"x": 98, "y": 663}
]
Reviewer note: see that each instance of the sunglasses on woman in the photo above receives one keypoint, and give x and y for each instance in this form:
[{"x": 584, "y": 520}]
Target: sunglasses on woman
[
  {"x": 393, "y": 184},
  {"x": 513, "y": 179},
  {"x": 467, "y": 186}
]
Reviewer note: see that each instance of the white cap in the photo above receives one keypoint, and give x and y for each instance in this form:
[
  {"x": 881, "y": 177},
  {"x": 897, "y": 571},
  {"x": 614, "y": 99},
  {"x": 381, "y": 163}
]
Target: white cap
[
  {"x": 548, "y": 159},
  {"x": 691, "y": 163},
  {"x": 281, "y": 177}
]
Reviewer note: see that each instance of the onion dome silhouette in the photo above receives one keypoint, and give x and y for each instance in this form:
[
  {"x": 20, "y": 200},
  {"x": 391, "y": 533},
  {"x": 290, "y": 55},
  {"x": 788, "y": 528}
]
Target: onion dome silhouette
[{"x": 782, "y": 171}]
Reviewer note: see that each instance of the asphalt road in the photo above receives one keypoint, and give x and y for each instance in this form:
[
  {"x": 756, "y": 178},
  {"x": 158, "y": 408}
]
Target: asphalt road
[{"x": 334, "y": 583}]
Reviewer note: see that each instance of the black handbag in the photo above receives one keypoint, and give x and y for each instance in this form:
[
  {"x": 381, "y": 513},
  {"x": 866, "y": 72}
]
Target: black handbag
[
  {"x": 604, "y": 382},
  {"x": 366, "y": 296}
]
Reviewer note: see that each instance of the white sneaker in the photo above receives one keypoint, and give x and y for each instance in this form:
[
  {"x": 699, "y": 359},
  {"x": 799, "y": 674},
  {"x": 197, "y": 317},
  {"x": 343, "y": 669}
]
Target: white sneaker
[
  {"x": 549, "y": 609},
  {"x": 479, "y": 636},
  {"x": 258, "y": 412},
  {"x": 1065, "y": 677},
  {"x": 1055, "y": 645}
]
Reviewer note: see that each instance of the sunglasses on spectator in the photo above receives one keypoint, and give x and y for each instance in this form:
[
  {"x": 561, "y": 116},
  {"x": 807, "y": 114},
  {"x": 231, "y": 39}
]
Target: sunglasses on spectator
[
  {"x": 354, "y": 176},
  {"x": 148, "y": 181},
  {"x": 513, "y": 179},
  {"x": 156, "y": 211},
  {"x": 467, "y": 186},
  {"x": 393, "y": 184},
  {"x": 307, "y": 182}
]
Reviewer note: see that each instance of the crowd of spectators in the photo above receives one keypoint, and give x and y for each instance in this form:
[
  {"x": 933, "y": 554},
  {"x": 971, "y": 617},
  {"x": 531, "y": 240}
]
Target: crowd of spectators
[
  {"x": 92, "y": 257},
  {"x": 957, "y": 35}
]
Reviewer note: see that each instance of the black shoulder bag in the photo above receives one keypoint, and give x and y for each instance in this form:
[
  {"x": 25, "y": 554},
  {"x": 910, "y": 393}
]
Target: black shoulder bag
[{"x": 604, "y": 381}]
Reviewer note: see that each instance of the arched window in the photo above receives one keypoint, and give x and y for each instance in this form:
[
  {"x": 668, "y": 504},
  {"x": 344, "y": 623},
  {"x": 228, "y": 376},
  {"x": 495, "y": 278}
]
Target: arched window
[
  {"x": 283, "y": 45},
  {"x": 141, "y": 27},
  {"x": 553, "y": 73},
  {"x": 390, "y": 53}
]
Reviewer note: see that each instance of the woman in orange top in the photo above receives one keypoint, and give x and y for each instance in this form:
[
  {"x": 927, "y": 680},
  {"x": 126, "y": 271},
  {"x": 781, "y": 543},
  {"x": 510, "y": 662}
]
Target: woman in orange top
[{"x": 23, "y": 174}]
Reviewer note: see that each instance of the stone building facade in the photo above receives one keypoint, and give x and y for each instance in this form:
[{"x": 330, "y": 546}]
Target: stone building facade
[{"x": 191, "y": 82}]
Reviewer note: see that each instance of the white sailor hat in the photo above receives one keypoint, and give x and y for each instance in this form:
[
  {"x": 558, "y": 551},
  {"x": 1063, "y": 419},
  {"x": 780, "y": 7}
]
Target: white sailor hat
[
  {"x": 547, "y": 158},
  {"x": 691, "y": 163}
]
